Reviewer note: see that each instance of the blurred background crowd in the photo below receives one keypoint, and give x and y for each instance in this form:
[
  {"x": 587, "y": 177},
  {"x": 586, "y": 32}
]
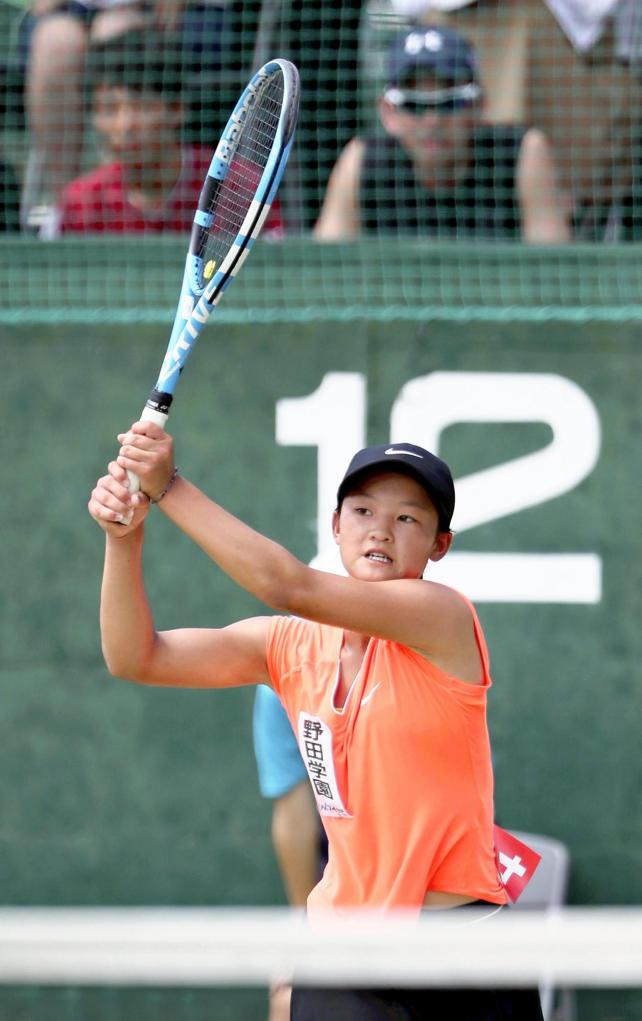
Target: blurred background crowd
[{"x": 453, "y": 118}]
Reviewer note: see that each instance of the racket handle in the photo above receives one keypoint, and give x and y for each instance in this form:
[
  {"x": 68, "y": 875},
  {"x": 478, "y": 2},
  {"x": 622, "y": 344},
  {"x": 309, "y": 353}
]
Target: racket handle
[{"x": 149, "y": 414}]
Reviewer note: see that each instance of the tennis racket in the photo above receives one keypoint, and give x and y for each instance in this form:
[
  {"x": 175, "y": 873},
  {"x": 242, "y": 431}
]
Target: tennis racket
[{"x": 235, "y": 199}]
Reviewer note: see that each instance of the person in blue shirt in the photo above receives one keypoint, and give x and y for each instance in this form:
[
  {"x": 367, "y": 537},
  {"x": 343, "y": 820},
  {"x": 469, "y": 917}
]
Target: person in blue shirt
[
  {"x": 298, "y": 837},
  {"x": 297, "y": 834}
]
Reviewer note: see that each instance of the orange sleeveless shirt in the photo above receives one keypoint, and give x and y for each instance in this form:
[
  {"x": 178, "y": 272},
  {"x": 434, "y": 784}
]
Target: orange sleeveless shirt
[{"x": 402, "y": 775}]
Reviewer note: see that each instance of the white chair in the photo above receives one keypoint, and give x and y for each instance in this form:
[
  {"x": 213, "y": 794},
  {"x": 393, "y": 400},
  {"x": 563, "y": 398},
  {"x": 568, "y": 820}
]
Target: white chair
[{"x": 548, "y": 889}]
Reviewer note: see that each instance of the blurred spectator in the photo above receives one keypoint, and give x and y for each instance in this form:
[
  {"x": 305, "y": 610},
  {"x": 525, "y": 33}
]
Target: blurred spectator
[
  {"x": 568, "y": 66},
  {"x": 628, "y": 32},
  {"x": 583, "y": 23},
  {"x": 54, "y": 39},
  {"x": 322, "y": 39},
  {"x": 619, "y": 219},
  {"x": 629, "y": 225},
  {"x": 603, "y": 140},
  {"x": 9, "y": 198},
  {"x": 151, "y": 179},
  {"x": 440, "y": 170}
]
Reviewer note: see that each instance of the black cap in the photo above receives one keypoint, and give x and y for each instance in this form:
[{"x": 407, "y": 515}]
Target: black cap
[
  {"x": 433, "y": 473},
  {"x": 432, "y": 50}
]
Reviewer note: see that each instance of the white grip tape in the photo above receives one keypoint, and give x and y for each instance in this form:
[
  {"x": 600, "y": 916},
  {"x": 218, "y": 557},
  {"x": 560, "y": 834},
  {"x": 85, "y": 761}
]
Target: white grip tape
[{"x": 148, "y": 415}]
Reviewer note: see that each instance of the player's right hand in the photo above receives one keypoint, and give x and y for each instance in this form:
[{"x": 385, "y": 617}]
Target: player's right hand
[{"x": 111, "y": 502}]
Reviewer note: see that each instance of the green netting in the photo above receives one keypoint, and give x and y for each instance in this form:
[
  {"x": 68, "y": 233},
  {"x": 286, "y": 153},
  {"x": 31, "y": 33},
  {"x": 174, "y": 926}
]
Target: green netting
[
  {"x": 75, "y": 1003},
  {"x": 419, "y": 253},
  {"x": 136, "y": 280}
]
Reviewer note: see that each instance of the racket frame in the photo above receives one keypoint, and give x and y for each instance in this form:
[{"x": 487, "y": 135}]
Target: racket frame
[{"x": 198, "y": 299}]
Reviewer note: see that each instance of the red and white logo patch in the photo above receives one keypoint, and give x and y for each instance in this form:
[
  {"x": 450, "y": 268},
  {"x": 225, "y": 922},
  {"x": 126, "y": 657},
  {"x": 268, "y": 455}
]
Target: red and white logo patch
[{"x": 516, "y": 863}]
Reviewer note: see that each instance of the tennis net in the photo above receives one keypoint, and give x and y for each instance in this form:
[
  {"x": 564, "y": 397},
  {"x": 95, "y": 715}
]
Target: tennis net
[{"x": 117, "y": 954}]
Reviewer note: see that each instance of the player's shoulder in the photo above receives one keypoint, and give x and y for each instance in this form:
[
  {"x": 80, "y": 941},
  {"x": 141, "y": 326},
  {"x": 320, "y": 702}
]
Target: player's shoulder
[
  {"x": 305, "y": 639},
  {"x": 292, "y": 625},
  {"x": 448, "y": 600}
]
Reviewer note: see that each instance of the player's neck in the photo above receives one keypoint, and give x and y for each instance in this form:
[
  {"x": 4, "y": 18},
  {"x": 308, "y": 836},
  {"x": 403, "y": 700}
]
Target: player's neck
[
  {"x": 351, "y": 655},
  {"x": 354, "y": 644}
]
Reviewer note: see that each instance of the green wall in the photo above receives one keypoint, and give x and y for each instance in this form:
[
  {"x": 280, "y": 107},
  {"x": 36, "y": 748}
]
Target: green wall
[{"x": 121, "y": 795}]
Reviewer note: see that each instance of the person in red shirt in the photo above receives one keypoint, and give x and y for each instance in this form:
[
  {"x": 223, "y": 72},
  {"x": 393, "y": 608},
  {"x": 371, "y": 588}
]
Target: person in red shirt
[{"x": 150, "y": 180}]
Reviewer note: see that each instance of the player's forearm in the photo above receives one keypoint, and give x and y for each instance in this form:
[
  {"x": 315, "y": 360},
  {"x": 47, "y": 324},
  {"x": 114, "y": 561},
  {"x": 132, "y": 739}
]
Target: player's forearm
[
  {"x": 126, "y": 624},
  {"x": 259, "y": 565}
]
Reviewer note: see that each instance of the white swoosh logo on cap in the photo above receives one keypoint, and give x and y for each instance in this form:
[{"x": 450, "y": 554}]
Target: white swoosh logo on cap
[{"x": 408, "y": 453}]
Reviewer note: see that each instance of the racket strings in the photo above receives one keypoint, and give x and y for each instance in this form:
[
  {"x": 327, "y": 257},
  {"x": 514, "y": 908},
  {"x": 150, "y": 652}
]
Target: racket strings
[{"x": 233, "y": 198}]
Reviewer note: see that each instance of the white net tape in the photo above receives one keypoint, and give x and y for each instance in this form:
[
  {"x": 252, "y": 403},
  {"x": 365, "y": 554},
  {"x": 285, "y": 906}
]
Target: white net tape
[{"x": 580, "y": 947}]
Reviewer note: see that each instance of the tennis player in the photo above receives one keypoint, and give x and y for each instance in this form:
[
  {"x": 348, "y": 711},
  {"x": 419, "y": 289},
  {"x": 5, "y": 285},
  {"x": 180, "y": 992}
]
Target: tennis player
[{"x": 384, "y": 676}]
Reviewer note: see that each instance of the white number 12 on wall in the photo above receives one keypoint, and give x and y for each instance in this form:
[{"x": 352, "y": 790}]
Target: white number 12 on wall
[{"x": 333, "y": 419}]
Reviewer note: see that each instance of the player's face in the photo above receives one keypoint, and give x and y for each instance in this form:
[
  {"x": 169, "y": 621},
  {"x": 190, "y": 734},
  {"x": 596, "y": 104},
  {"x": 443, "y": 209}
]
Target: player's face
[
  {"x": 388, "y": 528},
  {"x": 136, "y": 127},
  {"x": 436, "y": 138}
]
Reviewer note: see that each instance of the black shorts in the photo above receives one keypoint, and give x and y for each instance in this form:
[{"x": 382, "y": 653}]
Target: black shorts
[
  {"x": 320, "y": 1004},
  {"x": 329, "y": 1004}
]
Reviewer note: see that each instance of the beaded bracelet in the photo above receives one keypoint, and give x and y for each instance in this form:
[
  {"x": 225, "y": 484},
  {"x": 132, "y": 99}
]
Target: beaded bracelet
[{"x": 172, "y": 480}]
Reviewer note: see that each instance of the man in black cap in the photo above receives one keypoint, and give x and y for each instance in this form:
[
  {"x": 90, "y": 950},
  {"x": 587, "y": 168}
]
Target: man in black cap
[{"x": 439, "y": 170}]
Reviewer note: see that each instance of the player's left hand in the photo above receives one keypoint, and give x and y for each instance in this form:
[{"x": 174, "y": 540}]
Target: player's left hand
[
  {"x": 148, "y": 451},
  {"x": 113, "y": 507}
]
